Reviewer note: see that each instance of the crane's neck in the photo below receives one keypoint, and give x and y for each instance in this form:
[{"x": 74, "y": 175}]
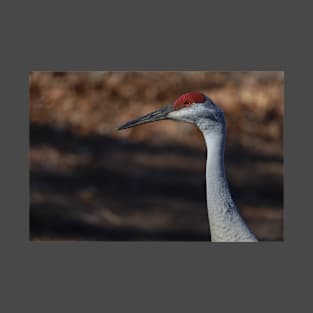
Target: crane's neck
[{"x": 225, "y": 222}]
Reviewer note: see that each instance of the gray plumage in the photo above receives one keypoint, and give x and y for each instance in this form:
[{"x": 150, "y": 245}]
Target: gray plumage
[{"x": 226, "y": 224}]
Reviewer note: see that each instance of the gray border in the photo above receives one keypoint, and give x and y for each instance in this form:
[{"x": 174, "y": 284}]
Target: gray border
[{"x": 44, "y": 277}]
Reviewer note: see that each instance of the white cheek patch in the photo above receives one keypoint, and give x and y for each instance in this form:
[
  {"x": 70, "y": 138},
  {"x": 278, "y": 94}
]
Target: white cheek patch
[
  {"x": 189, "y": 113},
  {"x": 181, "y": 114}
]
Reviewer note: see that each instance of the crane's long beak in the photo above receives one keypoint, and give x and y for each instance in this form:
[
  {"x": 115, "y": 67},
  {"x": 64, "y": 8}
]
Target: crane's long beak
[{"x": 158, "y": 115}]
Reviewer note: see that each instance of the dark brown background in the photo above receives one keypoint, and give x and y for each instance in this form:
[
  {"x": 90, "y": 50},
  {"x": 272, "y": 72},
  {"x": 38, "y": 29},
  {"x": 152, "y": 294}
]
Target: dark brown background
[{"x": 91, "y": 182}]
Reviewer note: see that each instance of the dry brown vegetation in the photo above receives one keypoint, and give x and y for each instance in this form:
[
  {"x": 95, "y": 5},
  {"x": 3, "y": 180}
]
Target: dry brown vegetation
[{"x": 92, "y": 182}]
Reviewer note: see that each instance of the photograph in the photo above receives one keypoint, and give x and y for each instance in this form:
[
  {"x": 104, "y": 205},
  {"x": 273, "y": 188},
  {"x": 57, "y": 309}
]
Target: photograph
[{"x": 189, "y": 156}]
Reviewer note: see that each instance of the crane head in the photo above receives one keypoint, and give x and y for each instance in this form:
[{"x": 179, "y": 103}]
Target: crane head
[{"x": 190, "y": 107}]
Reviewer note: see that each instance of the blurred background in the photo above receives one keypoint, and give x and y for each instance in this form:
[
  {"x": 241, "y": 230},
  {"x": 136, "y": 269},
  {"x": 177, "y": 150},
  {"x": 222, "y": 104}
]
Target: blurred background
[{"x": 89, "y": 181}]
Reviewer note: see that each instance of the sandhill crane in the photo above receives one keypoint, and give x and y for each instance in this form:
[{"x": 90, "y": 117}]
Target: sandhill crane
[{"x": 226, "y": 224}]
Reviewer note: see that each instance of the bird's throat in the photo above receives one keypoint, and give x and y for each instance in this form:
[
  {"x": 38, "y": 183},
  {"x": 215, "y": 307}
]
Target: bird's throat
[
  {"x": 225, "y": 222},
  {"x": 218, "y": 194}
]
